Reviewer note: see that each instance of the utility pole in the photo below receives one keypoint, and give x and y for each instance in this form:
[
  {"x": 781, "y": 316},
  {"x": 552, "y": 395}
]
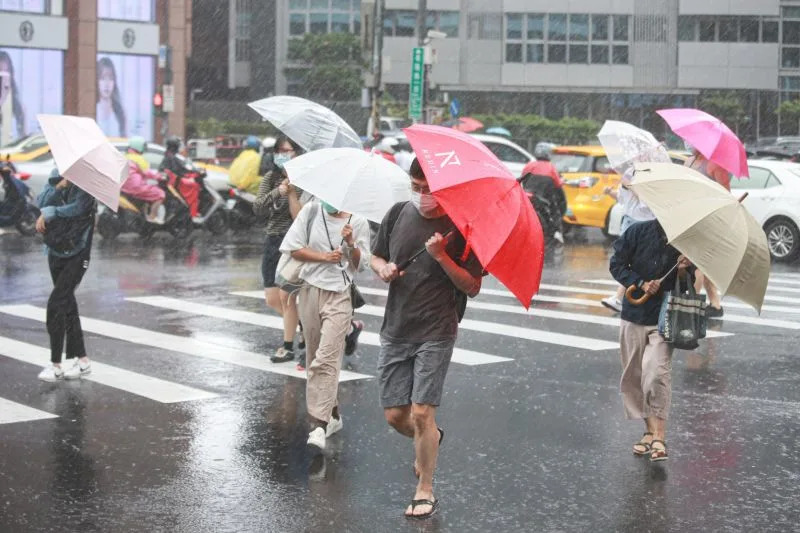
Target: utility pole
[
  {"x": 422, "y": 15},
  {"x": 377, "y": 63}
]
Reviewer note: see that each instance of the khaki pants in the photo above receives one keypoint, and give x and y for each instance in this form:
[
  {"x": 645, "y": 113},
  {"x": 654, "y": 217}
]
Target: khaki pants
[
  {"x": 326, "y": 318},
  {"x": 646, "y": 383}
]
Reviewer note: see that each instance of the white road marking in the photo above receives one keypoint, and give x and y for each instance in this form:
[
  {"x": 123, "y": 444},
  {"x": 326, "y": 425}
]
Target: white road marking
[
  {"x": 771, "y": 287},
  {"x": 549, "y": 337},
  {"x": 146, "y": 386},
  {"x": 11, "y": 412},
  {"x": 461, "y": 356},
  {"x": 175, "y": 343}
]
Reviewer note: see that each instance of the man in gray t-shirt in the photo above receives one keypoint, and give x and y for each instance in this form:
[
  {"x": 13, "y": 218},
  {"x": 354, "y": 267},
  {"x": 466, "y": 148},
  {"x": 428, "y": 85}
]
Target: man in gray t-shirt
[{"x": 420, "y": 323}]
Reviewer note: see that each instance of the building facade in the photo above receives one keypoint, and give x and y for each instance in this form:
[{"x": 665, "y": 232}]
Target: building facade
[{"x": 96, "y": 58}]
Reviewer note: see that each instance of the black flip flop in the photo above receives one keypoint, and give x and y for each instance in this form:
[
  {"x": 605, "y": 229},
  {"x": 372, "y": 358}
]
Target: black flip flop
[{"x": 414, "y": 503}]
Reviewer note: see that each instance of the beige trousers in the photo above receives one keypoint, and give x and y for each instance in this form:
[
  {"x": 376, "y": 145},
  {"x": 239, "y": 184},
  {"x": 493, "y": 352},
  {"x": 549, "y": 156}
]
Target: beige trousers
[
  {"x": 646, "y": 383},
  {"x": 326, "y": 318}
]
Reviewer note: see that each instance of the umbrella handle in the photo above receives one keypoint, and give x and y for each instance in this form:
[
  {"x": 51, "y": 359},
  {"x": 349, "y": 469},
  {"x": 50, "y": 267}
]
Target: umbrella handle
[
  {"x": 635, "y": 301},
  {"x": 745, "y": 195},
  {"x": 407, "y": 263}
]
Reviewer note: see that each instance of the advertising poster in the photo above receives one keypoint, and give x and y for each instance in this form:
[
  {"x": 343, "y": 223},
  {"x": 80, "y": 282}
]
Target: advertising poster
[
  {"x": 141, "y": 10},
  {"x": 31, "y": 82},
  {"x": 125, "y": 88}
]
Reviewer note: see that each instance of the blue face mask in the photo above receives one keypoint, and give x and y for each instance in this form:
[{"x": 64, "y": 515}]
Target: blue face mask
[
  {"x": 281, "y": 159},
  {"x": 329, "y": 208}
]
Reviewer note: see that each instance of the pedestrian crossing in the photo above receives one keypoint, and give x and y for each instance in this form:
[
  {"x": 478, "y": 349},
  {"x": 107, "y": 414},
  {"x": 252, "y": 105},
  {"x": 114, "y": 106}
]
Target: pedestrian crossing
[{"x": 567, "y": 316}]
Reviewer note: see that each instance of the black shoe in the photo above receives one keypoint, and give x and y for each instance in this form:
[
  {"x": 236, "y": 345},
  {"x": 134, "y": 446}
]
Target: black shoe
[
  {"x": 714, "y": 312},
  {"x": 282, "y": 355},
  {"x": 351, "y": 341}
]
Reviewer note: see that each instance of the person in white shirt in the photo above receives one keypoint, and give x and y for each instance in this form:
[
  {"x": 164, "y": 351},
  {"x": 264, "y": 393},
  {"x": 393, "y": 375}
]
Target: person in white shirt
[{"x": 333, "y": 246}]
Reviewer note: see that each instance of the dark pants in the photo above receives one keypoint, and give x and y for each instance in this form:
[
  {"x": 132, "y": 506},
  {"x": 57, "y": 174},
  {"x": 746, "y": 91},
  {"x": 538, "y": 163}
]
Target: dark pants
[{"x": 62, "y": 308}]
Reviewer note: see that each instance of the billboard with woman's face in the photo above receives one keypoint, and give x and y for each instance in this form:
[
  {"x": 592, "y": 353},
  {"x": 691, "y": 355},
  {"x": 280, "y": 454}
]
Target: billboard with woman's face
[
  {"x": 125, "y": 87},
  {"x": 31, "y": 82}
]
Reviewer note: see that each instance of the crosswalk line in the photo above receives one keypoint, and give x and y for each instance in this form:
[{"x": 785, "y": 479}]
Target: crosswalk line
[
  {"x": 758, "y": 321},
  {"x": 784, "y": 276},
  {"x": 175, "y": 343},
  {"x": 146, "y": 386},
  {"x": 771, "y": 287},
  {"x": 461, "y": 356},
  {"x": 11, "y": 412},
  {"x": 549, "y": 337}
]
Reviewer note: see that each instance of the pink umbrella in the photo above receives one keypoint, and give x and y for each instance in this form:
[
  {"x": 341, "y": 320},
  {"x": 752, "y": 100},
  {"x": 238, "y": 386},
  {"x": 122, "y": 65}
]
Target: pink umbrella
[
  {"x": 710, "y": 136},
  {"x": 465, "y": 124}
]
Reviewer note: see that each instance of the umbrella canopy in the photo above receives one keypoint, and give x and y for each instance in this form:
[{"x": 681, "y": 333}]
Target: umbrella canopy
[
  {"x": 626, "y": 144},
  {"x": 351, "y": 180},
  {"x": 709, "y": 226},
  {"x": 311, "y": 125},
  {"x": 499, "y": 130},
  {"x": 486, "y": 204},
  {"x": 465, "y": 124},
  {"x": 84, "y": 156},
  {"x": 710, "y": 136}
]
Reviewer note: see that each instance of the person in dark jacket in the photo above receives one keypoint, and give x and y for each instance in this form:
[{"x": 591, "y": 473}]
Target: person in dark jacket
[
  {"x": 60, "y": 199},
  {"x": 642, "y": 258},
  {"x": 188, "y": 187}
]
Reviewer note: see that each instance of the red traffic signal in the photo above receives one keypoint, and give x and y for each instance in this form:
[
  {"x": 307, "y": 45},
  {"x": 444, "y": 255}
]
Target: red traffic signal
[{"x": 158, "y": 99}]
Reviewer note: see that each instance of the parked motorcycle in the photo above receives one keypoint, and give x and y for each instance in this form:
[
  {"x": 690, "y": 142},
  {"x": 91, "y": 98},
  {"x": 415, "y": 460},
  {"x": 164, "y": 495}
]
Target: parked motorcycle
[
  {"x": 17, "y": 207},
  {"x": 130, "y": 216},
  {"x": 212, "y": 211}
]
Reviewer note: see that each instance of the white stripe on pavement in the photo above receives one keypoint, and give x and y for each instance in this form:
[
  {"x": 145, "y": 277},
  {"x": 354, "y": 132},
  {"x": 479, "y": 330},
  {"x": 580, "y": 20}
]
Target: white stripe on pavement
[
  {"x": 549, "y": 337},
  {"x": 461, "y": 356},
  {"x": 110, "y": 376},
  {"x": 757, "y": 321},
  {"x": 771, "y": 287},
  {"x": 175, "y": 343},
  {"x": 11, "y": 412}
]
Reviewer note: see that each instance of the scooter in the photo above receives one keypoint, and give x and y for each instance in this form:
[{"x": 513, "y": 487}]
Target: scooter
[
  {"x": 211, "y": 207},
  {"x": 17, "y": 207},
  {"x": 130, "y": 216},
  {"x": 240, "y": 210}
]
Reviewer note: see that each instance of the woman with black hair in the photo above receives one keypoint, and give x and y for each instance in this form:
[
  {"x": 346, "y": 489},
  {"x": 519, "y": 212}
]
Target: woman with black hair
[
  {"x": 8, "y": 84},
  {"x": 110, "y": 114}
]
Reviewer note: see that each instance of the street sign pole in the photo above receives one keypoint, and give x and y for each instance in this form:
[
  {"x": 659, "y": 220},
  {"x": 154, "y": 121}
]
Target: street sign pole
[{"x": 416, "y": 89}]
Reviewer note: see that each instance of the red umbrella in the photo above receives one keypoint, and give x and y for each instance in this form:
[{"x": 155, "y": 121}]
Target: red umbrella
[
  {"x": 465, "y": 124},
  {"x": 486, "y": 204}
]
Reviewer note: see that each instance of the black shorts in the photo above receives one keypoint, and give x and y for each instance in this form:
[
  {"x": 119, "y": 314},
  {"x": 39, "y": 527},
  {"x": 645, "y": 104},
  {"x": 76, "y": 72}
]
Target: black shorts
[{"x": 269, "y": 262}]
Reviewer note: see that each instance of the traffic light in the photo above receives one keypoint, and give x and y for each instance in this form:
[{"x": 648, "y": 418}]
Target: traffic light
[{"x": 158, "y": 102}]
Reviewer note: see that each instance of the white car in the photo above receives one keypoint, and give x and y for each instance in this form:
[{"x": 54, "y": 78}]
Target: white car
[
  {"x": 773, "y": 199},
  {"x": 513, "y": 156}
]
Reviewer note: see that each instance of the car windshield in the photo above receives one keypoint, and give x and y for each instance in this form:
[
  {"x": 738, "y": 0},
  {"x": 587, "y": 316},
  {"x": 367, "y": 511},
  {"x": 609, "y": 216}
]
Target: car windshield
[{"x": 570, "y": 162}]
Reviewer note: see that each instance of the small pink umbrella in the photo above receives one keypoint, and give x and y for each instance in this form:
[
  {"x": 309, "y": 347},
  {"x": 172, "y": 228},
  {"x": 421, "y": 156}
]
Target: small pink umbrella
[
  {"x": 710, "y": 136},
  {"x": 465, "y": 124}
]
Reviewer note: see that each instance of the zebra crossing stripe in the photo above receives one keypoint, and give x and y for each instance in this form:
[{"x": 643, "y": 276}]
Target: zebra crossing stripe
[
  {"x": 146, "y": 386},
  {"x": 175, "y": 343},
  {"x": 771, "y": 288},
  {"x": 461, "y": 356},
  {"x": 11, "y": 412}
]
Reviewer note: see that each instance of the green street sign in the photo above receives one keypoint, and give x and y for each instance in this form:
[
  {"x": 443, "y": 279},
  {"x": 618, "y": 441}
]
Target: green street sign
[{"x": 415, "y": 92}]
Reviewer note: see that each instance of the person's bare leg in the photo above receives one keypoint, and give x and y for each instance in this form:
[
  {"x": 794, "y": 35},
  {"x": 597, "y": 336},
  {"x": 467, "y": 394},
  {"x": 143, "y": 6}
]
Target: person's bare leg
[
  {"x": 699, "y": 280},
  {"x": 272, "y": 296},
  {"x": 400, "y": 419},
  {"x": 426, "y": 445},
  {"x": 290, "y": 318},
  {"x": 713, "y": 293}
]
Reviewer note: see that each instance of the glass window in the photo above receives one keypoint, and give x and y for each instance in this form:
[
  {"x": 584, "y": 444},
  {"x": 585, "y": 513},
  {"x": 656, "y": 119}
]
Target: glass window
[
  {"x": 686, "y": 29},
  {"x": 769, "y": 31},
  {"x": 406, "y": 24},
  {"x": 758, "y": 179},
  {"x": 578, "y": 53},
  {"x": 340, "y": 5},
  {"x": 388, "y": 24},
  {"x": 791, "y": 12},
  {"x": 357, "y": 23},
  {"x": 535, "y": 53},
  {"x": 789, "y": 83},
  {"x": 318, "y": 23},
  {"x": 728, "y": 29},
  {"x": 513, "y": 53},
  {"x": 486, "y": 26},
  {"x": 708, "y": 30},
  {"x": 430, "y": 22},
  {"x": 579, "y": 27},
  {"x": 790, "y": 57},
  {"x": 513, "y": 26},
  {"x": 535, "y": 27},
  {"x": 570, "y": 163},
  {"x": 319, "y": 4},
  {"x": 506, "y": 154},
  {"x": 599, "y": 27},
  {"x": 295, "y": 5},
  {"x": 557, "y": 27},
  {"x": 602, "y": 165},
  {"x": 791, "y": 32},
  {"x": 340, "y": 23},
  {"x": 297, "y": 23},
  {"x": 748, "y": 30},
  {"x": 448, "y": 23},
  {"x": 600, "y": 54},
  {"x": 619, "y": 55},
  {"x": 621, "y": 32},
  {"x": 557, "y": 53}
]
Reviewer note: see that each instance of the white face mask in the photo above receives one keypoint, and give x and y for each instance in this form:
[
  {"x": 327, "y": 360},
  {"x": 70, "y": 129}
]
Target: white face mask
[
  {"x": 281, "y": 159},
  {"x": 427, "y": 205}
]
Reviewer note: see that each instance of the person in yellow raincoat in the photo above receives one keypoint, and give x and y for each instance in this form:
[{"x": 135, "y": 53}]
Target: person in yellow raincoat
[{"x": 243, "y": 173}]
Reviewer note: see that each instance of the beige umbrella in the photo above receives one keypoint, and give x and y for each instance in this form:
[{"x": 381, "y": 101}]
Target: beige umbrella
[{"x": 710, "y": 226}]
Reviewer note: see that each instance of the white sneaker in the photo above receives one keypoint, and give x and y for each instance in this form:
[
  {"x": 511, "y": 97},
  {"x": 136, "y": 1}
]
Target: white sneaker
[
  {"x": 558, "y": 236},
  {"x": 612, "y": 303},
  {"x": 334, "y": 426},
  {"x": 51, "y": 373},
  {"x": 78, "y": 370},
  {"x": 317, "y": 439}
]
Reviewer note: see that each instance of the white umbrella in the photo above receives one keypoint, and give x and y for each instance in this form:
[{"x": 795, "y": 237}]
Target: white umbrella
[
  {"x": 84, "y": 156},
  {"x": 625, "y": 144},
  {"x": 351, "y": 180},
  {"x": 311, "y": 125}
]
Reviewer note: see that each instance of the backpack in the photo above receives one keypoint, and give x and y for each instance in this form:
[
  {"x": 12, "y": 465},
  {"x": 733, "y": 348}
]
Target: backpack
[{"x": 460, "y": 296}]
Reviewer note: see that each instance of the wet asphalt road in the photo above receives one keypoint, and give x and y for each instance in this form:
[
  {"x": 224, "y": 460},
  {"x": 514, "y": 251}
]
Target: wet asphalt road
[{"x": 535, "y": 436}]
